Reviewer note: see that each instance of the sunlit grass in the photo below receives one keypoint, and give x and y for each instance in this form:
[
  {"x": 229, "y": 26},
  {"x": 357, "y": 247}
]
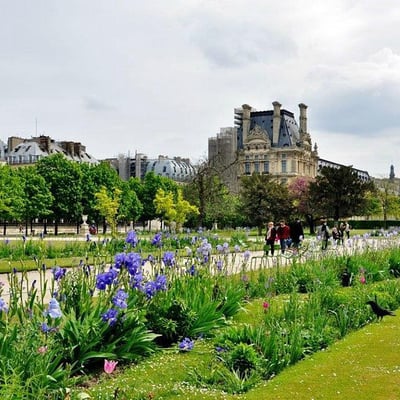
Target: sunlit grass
[{"x": 364, "y": 365}]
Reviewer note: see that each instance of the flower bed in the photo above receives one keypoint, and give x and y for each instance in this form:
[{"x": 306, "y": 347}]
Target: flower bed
[{"x": 123, "y": 312}]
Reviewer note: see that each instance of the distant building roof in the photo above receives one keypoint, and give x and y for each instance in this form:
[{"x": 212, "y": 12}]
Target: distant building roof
[
  {"x": 29, "y": 151},
  {"x": 176, "y": 169}
]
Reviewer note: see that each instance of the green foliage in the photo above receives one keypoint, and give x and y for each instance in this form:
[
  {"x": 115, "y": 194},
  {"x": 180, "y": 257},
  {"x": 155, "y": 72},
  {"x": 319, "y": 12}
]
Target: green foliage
[
  {"x": 11, "y": 194},
  {"x": 191, "y": 308},
  {"x": 263, "y": 199},
  {"x": 339, "y": 193},
  {"x": 108, "y": 204}
]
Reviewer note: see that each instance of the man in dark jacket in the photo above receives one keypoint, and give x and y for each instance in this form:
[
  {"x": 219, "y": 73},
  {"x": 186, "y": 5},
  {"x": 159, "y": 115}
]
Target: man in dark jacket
[{"x": 296, "y": 233}]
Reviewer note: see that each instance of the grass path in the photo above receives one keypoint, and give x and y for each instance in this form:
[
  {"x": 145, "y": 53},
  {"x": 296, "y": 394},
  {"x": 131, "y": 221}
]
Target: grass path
[{"x": 365, "y": 365}]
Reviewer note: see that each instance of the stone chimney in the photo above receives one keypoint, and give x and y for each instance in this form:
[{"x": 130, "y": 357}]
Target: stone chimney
[
  {"x": 303, "y": 119},
  {"x": 246, "y": 121},
  {"x": 276, "y": 122}
]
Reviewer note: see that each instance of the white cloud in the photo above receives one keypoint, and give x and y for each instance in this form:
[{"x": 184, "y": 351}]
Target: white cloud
[{"x": 161, "y": 77}]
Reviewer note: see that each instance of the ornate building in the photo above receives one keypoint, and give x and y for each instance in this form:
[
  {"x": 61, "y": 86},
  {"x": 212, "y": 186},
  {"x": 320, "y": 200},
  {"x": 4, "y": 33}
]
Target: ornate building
[{"x": 265, "y": 142}]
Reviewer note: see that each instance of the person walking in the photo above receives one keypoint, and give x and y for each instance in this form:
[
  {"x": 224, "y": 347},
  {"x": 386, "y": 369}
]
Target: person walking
[
  {"x": 296, "y": 233},
  {"x": 283, "y": 232},
  {"x": 324, "y": 233},
  {"x": 270, "y": 238},
  {"x": 347, "y": 229}
]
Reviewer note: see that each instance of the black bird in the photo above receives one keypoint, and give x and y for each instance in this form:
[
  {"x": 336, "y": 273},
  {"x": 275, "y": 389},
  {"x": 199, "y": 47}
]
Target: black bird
[{"x": 378, "y": 310}]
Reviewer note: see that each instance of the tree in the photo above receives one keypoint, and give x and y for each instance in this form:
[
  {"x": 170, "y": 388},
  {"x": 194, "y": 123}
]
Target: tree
[
  {"x": 146, "y": 191},
  {"x": 131, "y": 207},
  {"x": 11, "y": 196},
  {"x": 339, "y": 192},
  {"x": 93, "y": 178},
  {"x": 388, "y": 200},
  {"x": 63, "y": 178},
  {"x": 212, "y": 197},
  {"x": 264, "y": 199},
  {"x": 299, "y": 191},
  {"x": 108, "y": 206},
  {"x": 36, "y": 195},
  {"x": 173, "y": 208}
]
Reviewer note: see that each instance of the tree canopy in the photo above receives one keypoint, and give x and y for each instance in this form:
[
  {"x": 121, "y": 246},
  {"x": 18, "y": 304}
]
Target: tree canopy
[
  {"x": 339, "y": 192},
  {"x": 264, "y": 199}
]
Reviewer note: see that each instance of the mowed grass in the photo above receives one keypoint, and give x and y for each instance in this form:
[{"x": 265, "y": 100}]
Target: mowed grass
[{"x": 365, "y": 365}]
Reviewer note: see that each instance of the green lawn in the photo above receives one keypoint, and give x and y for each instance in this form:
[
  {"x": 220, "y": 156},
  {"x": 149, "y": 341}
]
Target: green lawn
[{"x": 363, "y": 366}]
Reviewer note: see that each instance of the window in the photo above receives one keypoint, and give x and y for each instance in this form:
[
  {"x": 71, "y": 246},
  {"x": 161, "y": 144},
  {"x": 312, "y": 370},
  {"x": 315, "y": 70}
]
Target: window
[
  {"x": 283, "y": 166},
  {"x": 247, "y": 168},
  {"x": 266, "y": 166},
  {"x": 257, "y": 167}
]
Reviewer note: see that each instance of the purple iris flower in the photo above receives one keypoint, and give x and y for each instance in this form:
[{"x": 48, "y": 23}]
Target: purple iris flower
[
  {"x": 44, "y": 327},
  {"x": 132, "y": 238},
  {"x": 192, "y": 270},
  {"x": 106, "y": 278},
  {"x": 59, "y": 273},
  {"x": 150, "y": 289},
  {"x": 110, "y": 316},
  {"x": 136, "y": 281},
  {"x": 53, "y": 310},
  {"x": 157, "y": 240},
  {"x": 119, "y": 300},
  {"x": 133, "y": 262},
  {"x": 169, "y": 259},
  {"x": 119, "y": 260},
  {"x": 186, "y": 344},
  {"x": 161, "y": 282}
]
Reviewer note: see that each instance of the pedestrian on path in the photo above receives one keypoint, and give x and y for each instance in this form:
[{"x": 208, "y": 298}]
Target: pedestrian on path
[
  {"x": 283, "y": 232},
  {"x": 270, "y": 238}
]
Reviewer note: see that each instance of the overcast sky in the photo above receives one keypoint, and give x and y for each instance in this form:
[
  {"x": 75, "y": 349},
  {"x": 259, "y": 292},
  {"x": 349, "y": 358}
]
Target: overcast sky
[{"x": 161, "y": 77}]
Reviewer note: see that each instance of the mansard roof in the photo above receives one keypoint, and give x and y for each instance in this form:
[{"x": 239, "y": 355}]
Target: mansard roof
[
  {"x": 176, "y": 169},
  {"x": 31, "y": 150},
  {"x": 288, "y": 132}
]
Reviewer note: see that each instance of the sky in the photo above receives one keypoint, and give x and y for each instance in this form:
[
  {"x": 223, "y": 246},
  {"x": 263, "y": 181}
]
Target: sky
[{"x": 161, "y": 77}]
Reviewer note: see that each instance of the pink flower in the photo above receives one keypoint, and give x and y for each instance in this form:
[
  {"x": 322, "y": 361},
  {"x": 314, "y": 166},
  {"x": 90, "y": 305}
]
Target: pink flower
[
  {"x": 109, "y": 366},
  {"x": 265, "y": 305},
  {"x": 363, "y": 280},
  {"x": 42, "y": 349}
]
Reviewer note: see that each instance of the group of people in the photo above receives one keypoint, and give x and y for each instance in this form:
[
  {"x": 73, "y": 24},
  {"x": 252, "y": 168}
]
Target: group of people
[
  {"x": 287, "y": 235},
  {"x": 338, "y": 232},
  {"x": 291, "y": 235}
]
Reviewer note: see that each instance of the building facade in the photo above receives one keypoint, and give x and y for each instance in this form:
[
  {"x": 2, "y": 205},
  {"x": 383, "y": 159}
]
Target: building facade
[
  {"x": 265, "y": 142},
  {"x": 177, "y": 168}
]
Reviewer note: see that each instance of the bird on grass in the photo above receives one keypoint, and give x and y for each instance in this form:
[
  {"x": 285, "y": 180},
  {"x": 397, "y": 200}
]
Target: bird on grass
[{"x": 378, "y": 310}]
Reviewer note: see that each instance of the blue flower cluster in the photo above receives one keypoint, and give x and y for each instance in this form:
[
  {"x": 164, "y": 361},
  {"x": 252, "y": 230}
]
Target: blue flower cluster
[
  {"x": 204, "y": 250},
  {"x": 169, "y": 259},
  {"x": 131, "y": 238},
  {"x": 120, "y": 298},
  {"x": 110, "y": 316},
  {"x": 157, "y": 240},
  {"x": 186, "y": 344},
  {"x": 106, "y": 278}
]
